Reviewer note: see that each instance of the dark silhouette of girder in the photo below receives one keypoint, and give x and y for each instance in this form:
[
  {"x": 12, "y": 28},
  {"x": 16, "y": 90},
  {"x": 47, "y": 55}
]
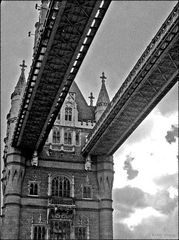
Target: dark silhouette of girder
[{"x": 67, "y": 33}]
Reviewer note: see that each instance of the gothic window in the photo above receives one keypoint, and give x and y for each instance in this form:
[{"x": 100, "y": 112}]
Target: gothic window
[
  {"x": 58, "y": 117},
  {"x": 87, "y": 192},
  {"x": 68, "y": 137},
  {"x": 56, "y": 135},
  {"x": 68, "y": 114},
  {"x": 77, "y": 138},
  {"x": 59, "y": 230},
  {"x": 61, "y": 187},
  {"x": 39, "y": 232},
  {"x": 33, "y": 188},
  {"x": 80, "y": 233}
]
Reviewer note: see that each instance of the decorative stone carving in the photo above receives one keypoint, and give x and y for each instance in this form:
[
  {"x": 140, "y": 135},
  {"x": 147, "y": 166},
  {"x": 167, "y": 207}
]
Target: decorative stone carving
[
  {"x": 63, "y": 213},
  {"x": 49, "y": 184},
  {"x": 40, "y": 218},
  {"x": 87, "y": 179},
  {"x": 34, "y": 161},
  {"x": 88, "y": 163},
  {"x": 105, "y": 183},
  {"x": 81, "y": 220}
]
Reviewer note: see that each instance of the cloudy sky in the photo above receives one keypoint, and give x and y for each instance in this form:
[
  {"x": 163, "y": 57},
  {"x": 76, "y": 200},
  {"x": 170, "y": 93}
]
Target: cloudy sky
[{"x": 145, "y": 183}]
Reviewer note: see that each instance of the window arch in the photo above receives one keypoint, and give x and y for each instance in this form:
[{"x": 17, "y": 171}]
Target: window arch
[
  {"x": 60, "y": 187},
  {"x": 56, "y": 135},
  {"x": 68, "y": 114}
]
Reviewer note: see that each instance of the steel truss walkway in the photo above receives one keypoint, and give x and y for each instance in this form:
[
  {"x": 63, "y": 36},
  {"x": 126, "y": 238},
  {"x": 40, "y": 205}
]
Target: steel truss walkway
[
  {"x": 151, "y": 78},
  {"x": 68, "y": 31}
]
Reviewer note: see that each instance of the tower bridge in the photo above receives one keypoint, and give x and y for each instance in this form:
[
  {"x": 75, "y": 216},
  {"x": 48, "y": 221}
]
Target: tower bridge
[
  {"x": 58, "y": 192},
  {"x": 66, "y": 34}
]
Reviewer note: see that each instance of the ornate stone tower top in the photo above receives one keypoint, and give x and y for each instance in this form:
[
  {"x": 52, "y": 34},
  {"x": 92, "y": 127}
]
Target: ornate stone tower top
[
  {"x": 103, "y": 99},
  {"x": 21, "y": 82}
]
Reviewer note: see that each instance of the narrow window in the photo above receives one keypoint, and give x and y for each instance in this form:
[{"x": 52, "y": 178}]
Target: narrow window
[
  {"x": 58, "y": 117},
  {"x": 59, "y": 230},
  {"x": 80, "y": 233},
  {"x": 56, "y": 135},
  {"x": 68, "y": 138},
  {"x": 33, "y": 188},
  {"x": 87, "y": 192},
  {"x": 78, "y": 138},
  {"x": 68, "y": 114},
  {"x": 39, "y": 232}
]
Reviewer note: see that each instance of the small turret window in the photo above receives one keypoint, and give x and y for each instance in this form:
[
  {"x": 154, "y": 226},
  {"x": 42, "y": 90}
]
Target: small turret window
[
  {"x": 87, "y": 193},
  {"x": 56, "y": 135},
  {"x": 68, "y": 114},
  {"x": 58, "y": 117},
  {"x": 77, "y": 138},
  {"x": 33, "y": 188}
]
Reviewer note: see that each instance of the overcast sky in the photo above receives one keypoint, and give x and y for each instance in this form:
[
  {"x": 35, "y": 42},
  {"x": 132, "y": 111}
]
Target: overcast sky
[{"x": 145, "y": 184}]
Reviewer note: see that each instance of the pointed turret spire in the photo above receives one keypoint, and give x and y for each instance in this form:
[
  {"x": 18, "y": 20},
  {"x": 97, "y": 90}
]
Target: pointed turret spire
[
  {"x": 103, "y": 98},
  {"x": 21, "y": 82}
]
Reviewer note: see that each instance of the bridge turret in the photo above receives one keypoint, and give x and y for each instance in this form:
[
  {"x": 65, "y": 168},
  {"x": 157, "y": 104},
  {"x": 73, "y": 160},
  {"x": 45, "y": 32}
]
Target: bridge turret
[
  {"x": 16, "y": 98},
  {"x": 14, "y": 168},
  {"x": 103, "y": 99}
]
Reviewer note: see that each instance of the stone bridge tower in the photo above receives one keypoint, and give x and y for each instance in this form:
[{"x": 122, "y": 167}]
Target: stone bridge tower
[
  {"x": 14, "y": 168},
  {"x": 58, "y": 193}
]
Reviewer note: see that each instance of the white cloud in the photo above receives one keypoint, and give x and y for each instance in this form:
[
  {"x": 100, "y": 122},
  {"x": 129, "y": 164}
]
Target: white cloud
[
  {"x": 154, "y": 156},
  {"x": 173, "y": 192},
  {"x": 139, "y": 215},
  {"x": 156, "y": 161}
]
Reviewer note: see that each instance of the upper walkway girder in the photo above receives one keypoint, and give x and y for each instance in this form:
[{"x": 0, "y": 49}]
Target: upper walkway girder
[
  {"x": 151, "y": 78},
  {"x": 67, "y": 33}
]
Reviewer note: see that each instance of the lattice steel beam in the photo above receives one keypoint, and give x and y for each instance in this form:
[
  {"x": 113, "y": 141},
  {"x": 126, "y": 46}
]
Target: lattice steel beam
[
  {"x": 45, "y": 70},
  {"x": 153, "y": 62}
]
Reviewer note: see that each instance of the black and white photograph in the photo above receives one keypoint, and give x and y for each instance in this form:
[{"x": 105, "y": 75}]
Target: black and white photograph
[{"x": 89, "y": 119}]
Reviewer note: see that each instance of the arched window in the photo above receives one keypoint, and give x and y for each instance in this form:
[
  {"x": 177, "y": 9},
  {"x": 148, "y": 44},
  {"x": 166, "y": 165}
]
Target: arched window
[
  {"x": 59, "y": 229},
  {"x": 56, "y": 135},
  {"x": 61, "y": 187},
  {"x": 68, "y": 114},
  {"x": 68, "y": 137}
]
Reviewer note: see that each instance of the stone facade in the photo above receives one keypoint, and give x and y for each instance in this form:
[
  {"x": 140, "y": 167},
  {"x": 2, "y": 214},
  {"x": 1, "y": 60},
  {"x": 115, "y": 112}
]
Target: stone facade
[{"x": 57, "y": 194}]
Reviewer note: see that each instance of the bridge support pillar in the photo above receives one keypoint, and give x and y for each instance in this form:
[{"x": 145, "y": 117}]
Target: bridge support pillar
[
  {"x": 105, "y": 175},
  {"x": 12, "y": 184}
]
